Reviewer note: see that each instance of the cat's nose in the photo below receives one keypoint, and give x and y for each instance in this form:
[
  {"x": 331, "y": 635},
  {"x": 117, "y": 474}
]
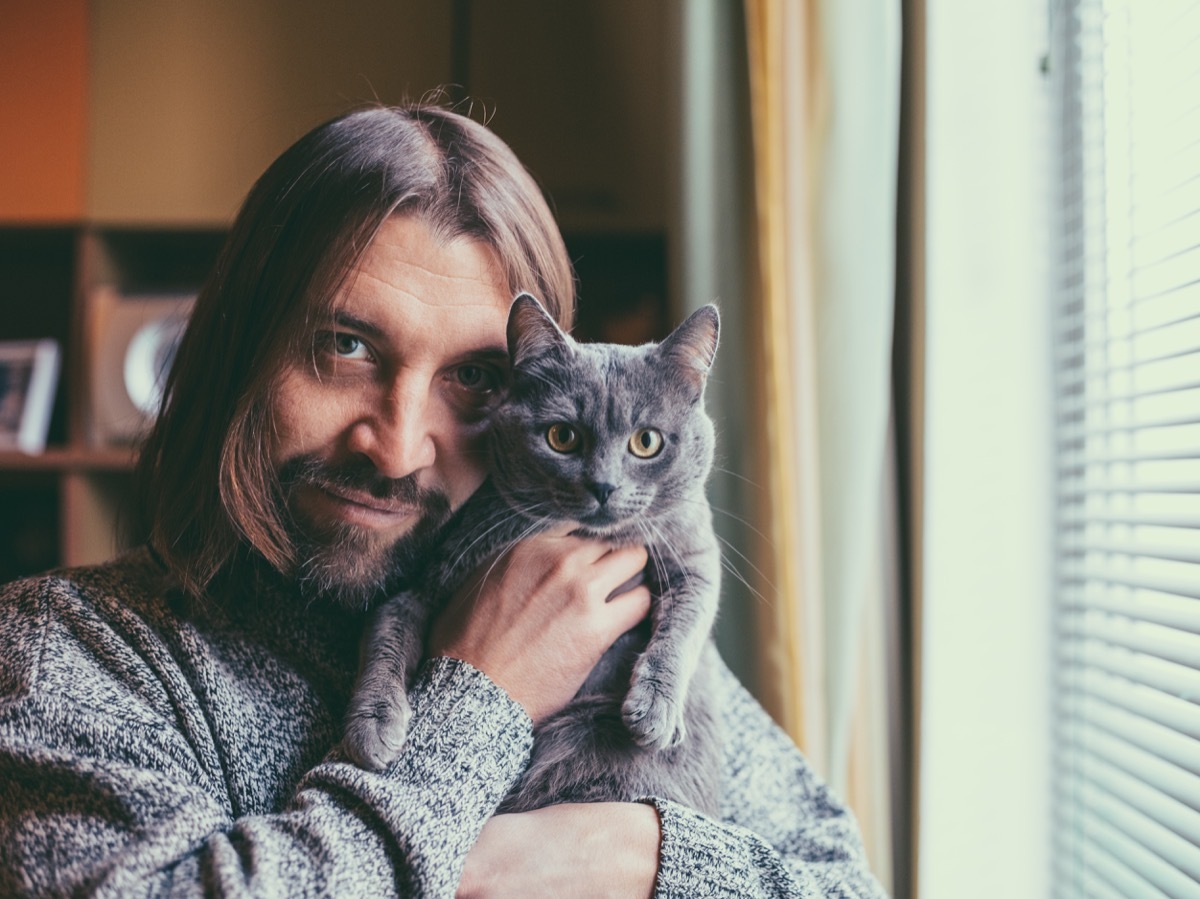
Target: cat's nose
[{"x": 602, "y": 492}]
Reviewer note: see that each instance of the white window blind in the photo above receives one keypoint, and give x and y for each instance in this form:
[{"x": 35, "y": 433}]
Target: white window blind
[{"x": 1127, "y": 704}]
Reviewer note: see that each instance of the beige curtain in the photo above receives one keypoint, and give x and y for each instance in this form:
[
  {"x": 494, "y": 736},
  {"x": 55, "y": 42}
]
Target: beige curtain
[
  {"x": 825, "y": 90},
  {"x": 785, "y": 91}
]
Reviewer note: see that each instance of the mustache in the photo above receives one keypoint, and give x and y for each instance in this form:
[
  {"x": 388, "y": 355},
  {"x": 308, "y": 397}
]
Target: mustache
[{"x": 360, "y": 475}]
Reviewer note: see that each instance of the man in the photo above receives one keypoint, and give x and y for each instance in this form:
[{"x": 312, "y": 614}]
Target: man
[{"x": 169, "y": 721}]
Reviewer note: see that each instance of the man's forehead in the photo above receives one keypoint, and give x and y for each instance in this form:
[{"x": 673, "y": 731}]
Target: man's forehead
[
  {"x": 418, "y": 294},
  {"x": 408, "y": 254}
]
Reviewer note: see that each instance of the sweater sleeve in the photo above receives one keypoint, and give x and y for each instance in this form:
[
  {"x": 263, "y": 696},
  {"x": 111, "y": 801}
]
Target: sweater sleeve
[
  {"x": 781, "y": 834},
  {"x": 100, "y": 797}
]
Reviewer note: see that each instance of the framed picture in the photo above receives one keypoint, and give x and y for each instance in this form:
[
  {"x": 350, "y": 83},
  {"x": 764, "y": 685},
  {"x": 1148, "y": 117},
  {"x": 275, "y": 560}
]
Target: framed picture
[{"x": 28, "y": 378}]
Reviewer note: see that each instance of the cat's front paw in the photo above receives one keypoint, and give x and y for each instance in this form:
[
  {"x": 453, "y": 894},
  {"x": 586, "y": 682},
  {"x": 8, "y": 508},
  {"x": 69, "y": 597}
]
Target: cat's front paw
[
  {"x": 652, "y": 716},
  {"x": 375, "y": 731}
]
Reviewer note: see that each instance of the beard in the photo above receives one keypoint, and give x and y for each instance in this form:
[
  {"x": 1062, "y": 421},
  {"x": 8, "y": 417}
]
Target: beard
[{"x": 351, "y": 565}]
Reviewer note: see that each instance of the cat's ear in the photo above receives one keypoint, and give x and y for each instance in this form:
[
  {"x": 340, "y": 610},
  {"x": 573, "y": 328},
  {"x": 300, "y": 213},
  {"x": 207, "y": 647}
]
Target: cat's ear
[
  {"x": 692, "y": 347},
  {"x": 532, "y": 332}
]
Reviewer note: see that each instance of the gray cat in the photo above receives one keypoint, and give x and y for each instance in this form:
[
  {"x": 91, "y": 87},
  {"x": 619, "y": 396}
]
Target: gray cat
[{"x": 614, "y": 439}]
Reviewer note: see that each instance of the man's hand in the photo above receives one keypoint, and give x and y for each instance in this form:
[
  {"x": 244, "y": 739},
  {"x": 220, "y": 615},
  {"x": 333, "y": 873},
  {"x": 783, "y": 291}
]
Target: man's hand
[
  {"x": 604, "y": 849},
  {"x": 538, "y": 620}
]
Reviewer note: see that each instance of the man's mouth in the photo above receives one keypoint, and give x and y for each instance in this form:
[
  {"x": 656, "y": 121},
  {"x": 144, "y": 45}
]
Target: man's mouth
[
  {"x": 322, "y": 494},
  {"x": 369, "y": 501}
]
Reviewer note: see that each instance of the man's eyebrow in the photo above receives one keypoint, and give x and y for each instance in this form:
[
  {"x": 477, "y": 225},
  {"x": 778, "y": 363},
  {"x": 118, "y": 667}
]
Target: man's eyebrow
[
  {"x": 493, "y": 355},
  {"x": 353, "y": 322}
]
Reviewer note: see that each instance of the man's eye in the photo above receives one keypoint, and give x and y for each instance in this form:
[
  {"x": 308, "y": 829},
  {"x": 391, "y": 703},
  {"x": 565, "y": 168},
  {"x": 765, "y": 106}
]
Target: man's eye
[
  {"x": 477, "y": 378},
  {"x": 348, "y": 345},
  {"x": 342, "y": 345}
]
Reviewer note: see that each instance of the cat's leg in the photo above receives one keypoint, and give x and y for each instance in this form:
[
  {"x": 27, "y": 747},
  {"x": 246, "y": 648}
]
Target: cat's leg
[
  {"x": 392, "y": 646},
  {"x": 683, "y": 615},
  {"x": 584, "y": 754},
  {"x": 690, "y": 772}
]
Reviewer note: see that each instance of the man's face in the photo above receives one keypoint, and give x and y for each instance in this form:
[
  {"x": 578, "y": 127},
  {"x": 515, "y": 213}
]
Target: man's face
[{"x": 376, "y": 434}]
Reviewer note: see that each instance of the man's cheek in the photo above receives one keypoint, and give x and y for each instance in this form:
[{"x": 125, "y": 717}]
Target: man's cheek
[
  {"x": 470, "y": 466},
  {"x": 303, "y": 417},
  {"x": 464, "y": 483}
]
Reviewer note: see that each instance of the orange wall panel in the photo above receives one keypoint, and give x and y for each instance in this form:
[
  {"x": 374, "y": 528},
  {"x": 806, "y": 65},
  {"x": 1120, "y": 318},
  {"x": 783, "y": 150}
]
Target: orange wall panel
[{"x": 43, "y": 107}]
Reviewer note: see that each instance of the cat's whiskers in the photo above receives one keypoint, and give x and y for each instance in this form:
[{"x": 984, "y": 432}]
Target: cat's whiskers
[
  {"x": 728, "y": 514},
  {"x": 726, "y": 563},
  {"x": 502, "y": 516},
  {"x": 489, "y": 524},
  {"x": 740, "y": 477},
  {"x": 662, "y": 542},
  {"x": 529, "y": 531},
  {"x": 655, "y": 559},
  {"x": 733, "y": 570}
]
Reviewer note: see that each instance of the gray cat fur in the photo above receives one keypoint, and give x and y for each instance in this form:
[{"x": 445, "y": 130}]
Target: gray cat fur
[{"x": 642, "y": 723}]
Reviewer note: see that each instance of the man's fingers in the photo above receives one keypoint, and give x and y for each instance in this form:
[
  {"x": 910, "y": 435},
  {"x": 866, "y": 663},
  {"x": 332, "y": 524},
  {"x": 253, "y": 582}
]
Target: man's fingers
[
  {"x": 628, "y": 564},
  {"x": 561, "y": 539},
  {"x": 562, "y": 529},
  {"x": 622, "y": 564},
  {"x": 627, "y": 609},
  {"x": 636, "y": 581}
]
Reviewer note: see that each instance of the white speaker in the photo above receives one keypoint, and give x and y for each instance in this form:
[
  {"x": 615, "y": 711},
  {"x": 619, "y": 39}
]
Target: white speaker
[{"x": 133, "y": 342}]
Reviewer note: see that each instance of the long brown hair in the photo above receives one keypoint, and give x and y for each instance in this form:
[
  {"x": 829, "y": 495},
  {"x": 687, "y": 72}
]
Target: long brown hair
[{"x": 207, "y": 486}]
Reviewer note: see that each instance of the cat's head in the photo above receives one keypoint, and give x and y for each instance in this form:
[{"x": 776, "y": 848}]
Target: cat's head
[{"x": 603, "y": 434}]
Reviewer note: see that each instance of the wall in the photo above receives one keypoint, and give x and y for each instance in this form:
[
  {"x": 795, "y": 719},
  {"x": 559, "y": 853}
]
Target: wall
[
  {"x": 43, "y": 115},
  {"x": 190, "y": 101},
  {"x": 578, "y": 90}
]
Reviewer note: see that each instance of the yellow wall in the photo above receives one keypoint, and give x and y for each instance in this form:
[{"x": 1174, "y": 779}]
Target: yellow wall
[{"x": 192, "y": 100}]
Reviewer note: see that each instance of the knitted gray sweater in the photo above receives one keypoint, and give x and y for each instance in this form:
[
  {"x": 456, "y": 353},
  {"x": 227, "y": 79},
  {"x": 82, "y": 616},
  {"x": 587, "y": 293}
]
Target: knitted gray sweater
[{"x": 153, "y": 746}]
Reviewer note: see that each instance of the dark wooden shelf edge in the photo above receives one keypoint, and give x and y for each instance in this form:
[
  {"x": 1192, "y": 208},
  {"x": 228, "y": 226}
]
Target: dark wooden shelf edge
[{"x": 70, "y": 459}]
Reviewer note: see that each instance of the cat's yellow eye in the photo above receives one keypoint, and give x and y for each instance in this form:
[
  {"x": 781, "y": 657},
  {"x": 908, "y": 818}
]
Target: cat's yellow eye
[
  {"x": 646, "y": 443},
  {"x": 562, "y": 438}
]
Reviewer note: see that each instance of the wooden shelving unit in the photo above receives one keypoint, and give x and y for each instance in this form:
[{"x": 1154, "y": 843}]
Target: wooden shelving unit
[
  {"x": 70, "y": 505},
  {"x": 63, "y": 460}
]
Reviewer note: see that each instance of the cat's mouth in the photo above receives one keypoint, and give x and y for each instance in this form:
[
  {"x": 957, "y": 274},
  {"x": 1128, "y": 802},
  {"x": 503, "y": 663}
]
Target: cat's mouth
[
  {"x": 616, "y": 531},
  {"x": 601, "y": 515},
  {"x": 604, "y": 522}
]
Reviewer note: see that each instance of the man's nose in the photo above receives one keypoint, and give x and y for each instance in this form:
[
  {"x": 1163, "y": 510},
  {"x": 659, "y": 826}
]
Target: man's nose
[{"x": 398, "y": 436}]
